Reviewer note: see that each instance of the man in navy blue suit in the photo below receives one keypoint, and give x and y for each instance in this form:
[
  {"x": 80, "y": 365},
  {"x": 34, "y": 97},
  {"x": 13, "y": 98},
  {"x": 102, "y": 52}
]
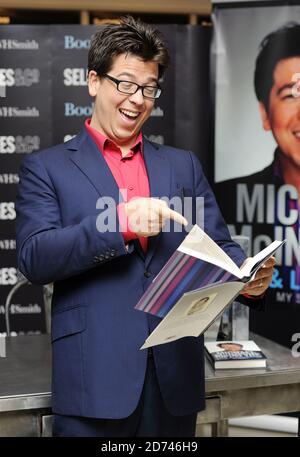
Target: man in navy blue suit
[{"x": 103, "y": 384}]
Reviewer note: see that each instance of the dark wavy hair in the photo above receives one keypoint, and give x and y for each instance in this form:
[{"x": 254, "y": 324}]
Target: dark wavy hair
[
  {"x": 130, "y": 36},
  {"x": 281, "y": 44}
]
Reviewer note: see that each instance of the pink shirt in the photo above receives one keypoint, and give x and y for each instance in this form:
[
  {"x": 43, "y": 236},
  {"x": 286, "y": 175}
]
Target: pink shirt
[{"x": 129, "y": 172}]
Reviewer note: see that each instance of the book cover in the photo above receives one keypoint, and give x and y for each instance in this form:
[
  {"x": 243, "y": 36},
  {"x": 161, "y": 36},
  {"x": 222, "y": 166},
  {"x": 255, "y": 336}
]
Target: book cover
[
  {"x": 199, "y": 276},
  {"x": 235, "y": 354},
  {"x": 197, "y": 262},
  {"x": 193, "y": 313}
]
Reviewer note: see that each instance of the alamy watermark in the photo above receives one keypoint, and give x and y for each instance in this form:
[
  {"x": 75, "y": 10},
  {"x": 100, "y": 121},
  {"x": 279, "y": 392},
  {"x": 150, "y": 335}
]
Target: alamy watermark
[
  {"x": 296, "y": 86},
  {"x": 296, "y": 347},
  {"x": 192, "y": 208}
]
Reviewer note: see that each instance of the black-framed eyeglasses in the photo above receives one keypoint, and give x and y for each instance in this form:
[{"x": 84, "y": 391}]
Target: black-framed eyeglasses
[{"x": 130, "y": 88}]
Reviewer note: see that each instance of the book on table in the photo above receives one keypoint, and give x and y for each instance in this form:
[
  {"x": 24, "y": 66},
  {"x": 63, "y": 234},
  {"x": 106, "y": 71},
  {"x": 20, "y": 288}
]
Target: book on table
[
  {"x": 195, "y": 286},
  {"x": 235, "y": 354}
]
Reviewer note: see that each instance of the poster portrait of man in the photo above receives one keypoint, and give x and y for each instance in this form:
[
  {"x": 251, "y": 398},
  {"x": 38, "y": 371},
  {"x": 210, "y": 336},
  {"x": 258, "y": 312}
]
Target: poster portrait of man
[{"x": 258, "y": 185}]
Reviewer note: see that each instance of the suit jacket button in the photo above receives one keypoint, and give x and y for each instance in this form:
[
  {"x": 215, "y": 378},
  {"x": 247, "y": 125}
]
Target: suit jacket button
[
  {"x": 112, "y": 252},
  {"x": 101, "y": 258},
  {"x": 95, "y": 259},
  {"x": 106, "y": 256},
  {"x": 147, "y": 274}
]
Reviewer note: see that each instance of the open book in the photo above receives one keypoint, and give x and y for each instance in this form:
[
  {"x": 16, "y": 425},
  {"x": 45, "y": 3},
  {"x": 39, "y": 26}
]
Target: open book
[{"x": 195, "y": 286}]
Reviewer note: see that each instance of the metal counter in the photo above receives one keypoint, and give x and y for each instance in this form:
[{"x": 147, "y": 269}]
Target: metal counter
[
  {"x": 252, "y": 392},
  {"x": 25, "y": 387}
]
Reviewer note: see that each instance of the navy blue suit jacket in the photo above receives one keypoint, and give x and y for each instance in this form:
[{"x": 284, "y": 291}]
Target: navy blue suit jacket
[{"x": 98, "y": 369}]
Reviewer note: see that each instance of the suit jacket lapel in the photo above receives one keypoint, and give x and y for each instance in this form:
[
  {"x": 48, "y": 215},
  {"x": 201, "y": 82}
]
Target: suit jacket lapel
[
  {"x": 91, "y": 162},
  {"x": 159, "y": 175}
]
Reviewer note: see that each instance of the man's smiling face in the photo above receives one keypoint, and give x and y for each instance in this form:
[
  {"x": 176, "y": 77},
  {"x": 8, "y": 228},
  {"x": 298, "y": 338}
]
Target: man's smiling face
[
  {"x": 283, "y": 114},
  {"x": 118, "y": 116}
]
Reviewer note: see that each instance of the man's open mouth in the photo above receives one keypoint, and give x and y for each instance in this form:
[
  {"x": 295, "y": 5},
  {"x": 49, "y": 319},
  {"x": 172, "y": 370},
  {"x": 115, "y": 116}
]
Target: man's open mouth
[
  {"x": 297, "y": 134},
  {"x": 129, "y": 114}
]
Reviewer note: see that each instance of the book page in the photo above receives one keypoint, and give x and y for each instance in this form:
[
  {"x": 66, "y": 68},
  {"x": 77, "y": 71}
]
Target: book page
[
  {"x": 254, "y": 263},
  {"x": 198, "y": 244}
]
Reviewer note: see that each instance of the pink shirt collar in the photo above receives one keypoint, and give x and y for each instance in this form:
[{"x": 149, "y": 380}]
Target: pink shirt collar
[{"x": 102, "y": 141}]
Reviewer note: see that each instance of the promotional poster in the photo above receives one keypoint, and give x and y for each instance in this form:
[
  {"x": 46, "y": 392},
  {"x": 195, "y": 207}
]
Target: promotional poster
[{"x": 257, "y": 145}]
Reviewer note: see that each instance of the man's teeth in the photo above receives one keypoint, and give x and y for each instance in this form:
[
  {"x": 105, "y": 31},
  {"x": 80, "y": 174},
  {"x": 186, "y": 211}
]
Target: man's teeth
[
  {"x": 297, "y": 134},
  {"x": 129, "y": 113}
]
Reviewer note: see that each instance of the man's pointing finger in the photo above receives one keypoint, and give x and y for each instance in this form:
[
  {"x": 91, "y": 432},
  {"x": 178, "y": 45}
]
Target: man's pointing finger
[{"x": 171, "y": 214}]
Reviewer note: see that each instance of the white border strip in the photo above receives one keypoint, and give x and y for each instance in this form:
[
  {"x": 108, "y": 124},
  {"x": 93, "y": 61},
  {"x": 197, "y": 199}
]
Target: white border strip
[{"x": 282, "y": 424}]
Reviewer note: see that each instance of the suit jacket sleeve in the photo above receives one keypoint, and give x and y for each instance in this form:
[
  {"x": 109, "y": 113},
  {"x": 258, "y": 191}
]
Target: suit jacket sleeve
[{"x": 46, "y": 250}]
